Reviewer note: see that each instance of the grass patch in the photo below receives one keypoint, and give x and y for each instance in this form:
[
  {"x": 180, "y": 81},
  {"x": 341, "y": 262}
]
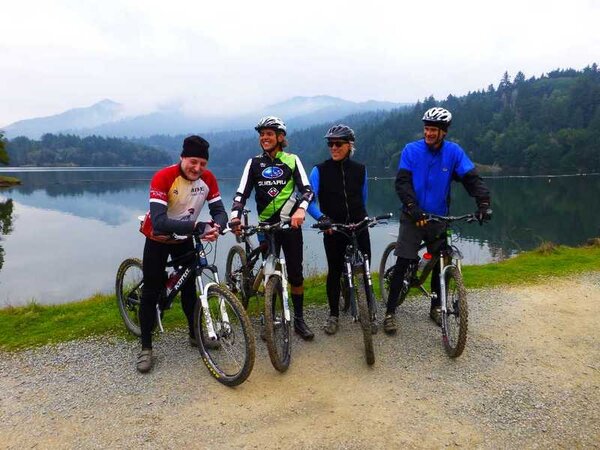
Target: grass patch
[{"x": 36, "y": 325}]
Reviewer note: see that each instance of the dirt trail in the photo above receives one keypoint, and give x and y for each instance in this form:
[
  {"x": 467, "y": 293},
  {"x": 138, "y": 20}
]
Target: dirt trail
[{"x": 530, "y": 377}]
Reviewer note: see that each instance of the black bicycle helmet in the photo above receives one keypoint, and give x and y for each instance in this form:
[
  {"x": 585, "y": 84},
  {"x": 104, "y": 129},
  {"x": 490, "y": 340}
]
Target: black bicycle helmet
[
  {"x": 271, "y": 122},
  {"x": 340, "y": 132},
  {"x": 438, "y": 117}
]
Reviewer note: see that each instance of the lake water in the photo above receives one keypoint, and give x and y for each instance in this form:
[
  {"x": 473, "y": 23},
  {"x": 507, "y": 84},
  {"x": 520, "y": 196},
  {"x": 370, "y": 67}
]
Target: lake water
[{"x": 65, "y": 231}]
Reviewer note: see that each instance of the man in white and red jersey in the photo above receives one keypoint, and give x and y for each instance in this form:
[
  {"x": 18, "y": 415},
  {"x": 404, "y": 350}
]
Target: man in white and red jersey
[{"x": 177, "y": 194}]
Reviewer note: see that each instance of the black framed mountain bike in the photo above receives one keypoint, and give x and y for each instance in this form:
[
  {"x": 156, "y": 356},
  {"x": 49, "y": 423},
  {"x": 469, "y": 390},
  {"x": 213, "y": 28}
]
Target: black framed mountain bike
[{"x": 223, "y": 330}]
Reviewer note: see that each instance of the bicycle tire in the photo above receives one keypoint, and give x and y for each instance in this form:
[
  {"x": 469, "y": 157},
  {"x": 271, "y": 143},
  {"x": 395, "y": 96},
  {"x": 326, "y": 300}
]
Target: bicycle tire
[
  {"x": 236, "y": 275},
  {"x": 128, "y": 288},
  {"x": 231, "y": 360},
  {"x": 364, "y": 315},
  {"x": 344, "y": 293},
  {"x": 386, "y": 269},
  {"x": 277, "y": 328},
  {"x": 455, "y": 320}
]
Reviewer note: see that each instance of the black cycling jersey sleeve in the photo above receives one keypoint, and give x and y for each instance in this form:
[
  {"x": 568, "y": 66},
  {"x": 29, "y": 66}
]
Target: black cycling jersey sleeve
[
  {"x": 404, "y": 187},
  {"x": 162, "y": 224},
  {"x": 475, "y": 187},
  {"x": 218, "y": 213}
]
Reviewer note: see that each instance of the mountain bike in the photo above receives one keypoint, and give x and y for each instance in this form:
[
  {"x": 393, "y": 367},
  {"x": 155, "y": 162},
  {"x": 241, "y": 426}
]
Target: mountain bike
[
  {"x": 357, "y": 286},
  {"x": 245, "y": 279},
  {"x": 222, "y": 328},
  {"x": 455, "y": 311}
]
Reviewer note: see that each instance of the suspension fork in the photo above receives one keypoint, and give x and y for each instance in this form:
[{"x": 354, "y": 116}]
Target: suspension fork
[
  {"x": 210, "y": 325},
  {"x": 443, "y": 268},
  {"x": 350, "y": 277}
]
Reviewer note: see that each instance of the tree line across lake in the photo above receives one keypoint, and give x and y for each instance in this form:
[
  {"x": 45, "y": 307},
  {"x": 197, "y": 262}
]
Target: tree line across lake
[{"x": 549, "y": 124}]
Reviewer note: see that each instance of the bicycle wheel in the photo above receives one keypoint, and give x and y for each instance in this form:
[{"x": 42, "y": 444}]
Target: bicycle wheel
[
  {"x": 277, "y": 328},
  {"x": 128, "y": 287},
  {"x": 455, "y": 320},
  {"x": 364, "y": 315},
  {"x": 386, "y": 269},
  {"x": 235, "y": 273},
  {"x": 231, "y": 358}
]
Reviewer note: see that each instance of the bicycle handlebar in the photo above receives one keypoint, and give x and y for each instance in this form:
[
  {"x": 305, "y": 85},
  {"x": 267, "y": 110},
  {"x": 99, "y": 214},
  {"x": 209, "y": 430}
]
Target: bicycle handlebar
[
  {"x": 437, "y": 218},
  {"x": 367, "y": 221},
  {"x": 249, "y": 230}
]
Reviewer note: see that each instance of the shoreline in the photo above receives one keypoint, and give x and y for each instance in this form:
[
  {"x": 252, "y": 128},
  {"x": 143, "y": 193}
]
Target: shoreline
[{"x": 36, "y": 325}]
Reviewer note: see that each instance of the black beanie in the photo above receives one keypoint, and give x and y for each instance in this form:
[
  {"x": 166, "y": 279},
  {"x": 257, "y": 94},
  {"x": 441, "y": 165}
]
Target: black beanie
[{"x": 195, "y": 146}]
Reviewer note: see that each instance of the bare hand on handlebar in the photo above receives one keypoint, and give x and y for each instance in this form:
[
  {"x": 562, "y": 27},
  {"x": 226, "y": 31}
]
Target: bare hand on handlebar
[{"x": 208, "y": 231}]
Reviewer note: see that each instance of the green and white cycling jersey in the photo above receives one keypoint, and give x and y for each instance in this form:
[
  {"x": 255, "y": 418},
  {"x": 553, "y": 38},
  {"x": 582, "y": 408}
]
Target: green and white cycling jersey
[{"x": 274, "y": 182}]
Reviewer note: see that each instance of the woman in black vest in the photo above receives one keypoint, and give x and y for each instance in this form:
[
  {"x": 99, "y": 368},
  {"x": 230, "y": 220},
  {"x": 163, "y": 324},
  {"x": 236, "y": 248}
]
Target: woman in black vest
[{"x": 340, "y": 187}]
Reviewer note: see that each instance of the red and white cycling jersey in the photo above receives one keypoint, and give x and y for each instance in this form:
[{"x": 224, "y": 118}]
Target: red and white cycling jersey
[{"x": 184, "y": 198}]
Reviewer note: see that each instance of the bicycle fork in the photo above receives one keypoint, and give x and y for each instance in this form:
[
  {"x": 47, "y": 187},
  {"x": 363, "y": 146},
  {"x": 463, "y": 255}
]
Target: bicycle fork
[{"x": 211, "y": 329}]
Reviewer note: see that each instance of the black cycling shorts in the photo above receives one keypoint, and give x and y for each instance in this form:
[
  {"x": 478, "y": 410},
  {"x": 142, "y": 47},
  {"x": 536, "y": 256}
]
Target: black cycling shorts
[{"x": 410, "y": 237}]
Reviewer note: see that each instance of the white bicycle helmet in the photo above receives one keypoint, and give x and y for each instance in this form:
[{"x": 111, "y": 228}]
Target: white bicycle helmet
[
  {"x": 438, "y": 117},
  {"x": 271, "y": 122}
]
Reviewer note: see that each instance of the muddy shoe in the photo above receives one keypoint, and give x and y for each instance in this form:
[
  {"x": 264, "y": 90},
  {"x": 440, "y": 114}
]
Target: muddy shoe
[
  {"x": 302, "y": 329},
  {"x": 331, "y": 326},
  {"x": 435, "y": 314},
  {"x": 389, "y": 324},
  {"x": 144, "y": 362}
]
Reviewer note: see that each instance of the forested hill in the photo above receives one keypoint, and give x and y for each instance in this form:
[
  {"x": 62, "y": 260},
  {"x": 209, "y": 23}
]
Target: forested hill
[
  {"x": 70, "y": 150},
  {"x": 549, "y": 124},
  {"x": 544, "y": 125}
]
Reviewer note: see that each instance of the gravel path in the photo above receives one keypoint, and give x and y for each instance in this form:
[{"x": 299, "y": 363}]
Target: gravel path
[{"x": 530, "y": 377}]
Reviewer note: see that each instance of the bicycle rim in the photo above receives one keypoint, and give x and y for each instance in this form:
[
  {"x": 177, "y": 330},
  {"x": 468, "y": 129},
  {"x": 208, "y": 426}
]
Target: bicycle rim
[
  {"x": 386, "y": 269},
  {"x": 235, "y": 273},
  {"x": 229, "y": 358},
  {"x": 455, "y": 320},
  {"x": 277, "y": 328},
  {"x": 128, "y": 287},
  {"x": 363, "y": 314}
]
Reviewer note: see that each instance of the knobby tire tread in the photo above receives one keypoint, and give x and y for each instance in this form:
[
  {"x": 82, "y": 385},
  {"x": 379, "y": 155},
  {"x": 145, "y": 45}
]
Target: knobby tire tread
[
  {"x": 383, "y": 288},
  {"x": 243, "y": 289},
  {"x": 235, "y": 307},
  {"x": 363, "y": 313},
  {"x": 274, "y": 301},
  {"x": 129, "y": 263},
  {"x": 454, "y": 350}
]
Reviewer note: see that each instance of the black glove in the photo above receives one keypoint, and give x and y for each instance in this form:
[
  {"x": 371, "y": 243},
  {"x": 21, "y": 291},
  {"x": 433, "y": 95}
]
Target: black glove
[
  {"x": 483, "y": 213},
  {"x": 417, "y": 215},
  {"x": 324, "y": 223}
]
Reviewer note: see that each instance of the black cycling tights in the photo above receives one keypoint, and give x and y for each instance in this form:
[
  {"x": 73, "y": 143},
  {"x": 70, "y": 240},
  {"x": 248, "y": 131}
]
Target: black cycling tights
[
  {"x": 155, "y": 260},
  {"x": 396, "y": 284}
]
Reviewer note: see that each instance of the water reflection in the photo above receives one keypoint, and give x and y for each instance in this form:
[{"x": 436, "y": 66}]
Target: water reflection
[
  {"x": 6, "y": 224},
  {"x": 72, "y": 228}
]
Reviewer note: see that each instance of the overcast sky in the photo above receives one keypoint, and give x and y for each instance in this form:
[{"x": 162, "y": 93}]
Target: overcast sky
[{"x": 234, "y": 55}]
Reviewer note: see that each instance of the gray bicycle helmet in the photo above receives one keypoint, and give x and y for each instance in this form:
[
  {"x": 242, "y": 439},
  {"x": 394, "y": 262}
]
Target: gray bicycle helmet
[
  {"x": 271, "y": 122},
  {"x": 438, "y": 117},
  {"x": 340, "y": 132}
]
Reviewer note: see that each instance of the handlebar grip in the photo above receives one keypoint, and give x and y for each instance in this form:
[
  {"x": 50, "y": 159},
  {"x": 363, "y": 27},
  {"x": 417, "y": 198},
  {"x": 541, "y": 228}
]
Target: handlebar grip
[{"x": 384, "y": 216}]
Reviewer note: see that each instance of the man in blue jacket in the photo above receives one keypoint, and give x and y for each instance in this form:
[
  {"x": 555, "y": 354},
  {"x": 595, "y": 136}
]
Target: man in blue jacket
[{"x": 425, "y": 173}]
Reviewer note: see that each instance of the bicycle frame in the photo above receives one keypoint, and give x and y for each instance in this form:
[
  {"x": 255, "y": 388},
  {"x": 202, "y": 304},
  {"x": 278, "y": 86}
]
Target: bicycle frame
[
  {"x": 355, "y": 258},
  {"x": 195, "y": 267},
  {"x": 273, "y": 264},
  {"x": 449, "y": 256}
]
